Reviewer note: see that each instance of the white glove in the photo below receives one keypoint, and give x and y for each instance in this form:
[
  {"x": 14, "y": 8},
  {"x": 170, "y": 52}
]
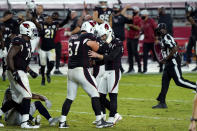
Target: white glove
[
  {"x": 67, "y": 33},
  {"x": 3, "y": 53},
  {"x": 109, "y": 38},
  {"x": 31, "y": 4},
  {"x": 48, "y": 104}
]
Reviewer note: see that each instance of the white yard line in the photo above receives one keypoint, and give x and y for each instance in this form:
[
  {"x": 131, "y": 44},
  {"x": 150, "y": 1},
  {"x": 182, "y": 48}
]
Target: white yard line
[{"x": 133, "y": 116}]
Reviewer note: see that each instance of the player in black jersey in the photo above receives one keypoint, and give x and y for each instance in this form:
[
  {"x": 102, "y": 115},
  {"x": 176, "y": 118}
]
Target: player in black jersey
[
  {"x": 47, "y": 31},
  {"x": 110, "y": 80},
  {"x": 102, "y": 13},
  {"x": 9, "y": 29},
  {"x": 172, "y": 61},
  {"x": 18, "y": 59},
  {"x": 78, "y": 73}
]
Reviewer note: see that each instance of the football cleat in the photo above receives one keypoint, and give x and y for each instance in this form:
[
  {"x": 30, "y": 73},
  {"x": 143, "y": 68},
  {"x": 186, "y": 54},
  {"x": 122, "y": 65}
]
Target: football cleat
[
  {"x": 1, "y": 125},
  {"x": 63, "y": 125},
  {"x": 160, "y": 106},
  {"x": 37, "y": 120},
  {"x": 117, "y": 118},
  {"x": 48, "y": 78},
  {"x": 29, "y": 125},
  {"x": 43, "y": 82},
  {"x": 53, "y": 121},
  {"x": 57, "y": 72},
  {"x": 103, "y": 116},
  {"x": 102, "y": 124}
]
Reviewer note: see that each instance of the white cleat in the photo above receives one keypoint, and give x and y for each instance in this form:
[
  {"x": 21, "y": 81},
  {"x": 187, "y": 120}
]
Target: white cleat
[
  {"x": 1, "y": 125},
  {"x": 104, "y": 118},
  {"x": 28, "y": 125},
  {"x": 117, "y": 118},
  {"x": 53, "y": 121},
  {"x": 37, "y": 120}
]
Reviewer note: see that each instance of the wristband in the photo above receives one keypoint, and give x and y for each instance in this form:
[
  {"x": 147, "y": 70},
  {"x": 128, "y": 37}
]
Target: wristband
[{"x": 193, "y": 119}]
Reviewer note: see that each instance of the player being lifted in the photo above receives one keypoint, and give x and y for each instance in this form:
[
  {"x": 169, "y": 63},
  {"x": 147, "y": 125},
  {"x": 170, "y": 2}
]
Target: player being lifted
[
  {"x": 78, "y": 73},
  {"x": 110, "y": 80},
  {"x": 18, "y": 59},
  {"x": 172, "y": 62}
]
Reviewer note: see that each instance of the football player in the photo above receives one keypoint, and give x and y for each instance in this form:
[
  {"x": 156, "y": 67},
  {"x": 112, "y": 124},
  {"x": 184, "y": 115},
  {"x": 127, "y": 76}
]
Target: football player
[
  {"x": 12, "y": 110},
  {"x": 172, "y": 61},
  {"x": 18, "y": 59},
  {"x": 110, "y": 80},
  {"x": 47, "y": 47},
  {"x": 9, "y": 29},
  {"x": 102, "y": 13},
  {"x": 78, "y": 73}
]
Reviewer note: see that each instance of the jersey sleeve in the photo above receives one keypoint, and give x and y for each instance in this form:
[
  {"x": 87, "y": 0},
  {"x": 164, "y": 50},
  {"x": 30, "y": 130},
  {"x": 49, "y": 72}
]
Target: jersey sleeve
[{"x": 169, "y": 41}]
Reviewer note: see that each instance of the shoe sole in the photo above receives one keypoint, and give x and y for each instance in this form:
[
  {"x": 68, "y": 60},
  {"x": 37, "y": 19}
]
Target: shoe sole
[
  {"x": 118, "y": 119},
  {"x": 63, "y": 127}
]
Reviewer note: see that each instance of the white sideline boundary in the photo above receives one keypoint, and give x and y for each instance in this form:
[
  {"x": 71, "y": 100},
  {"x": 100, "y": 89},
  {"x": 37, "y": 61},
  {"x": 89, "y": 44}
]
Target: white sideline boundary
[{"x": 133, "y": 116}]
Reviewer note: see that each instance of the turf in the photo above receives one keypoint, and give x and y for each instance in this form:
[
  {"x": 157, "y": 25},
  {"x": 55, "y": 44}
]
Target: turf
[{"x": 137, "y": 94}]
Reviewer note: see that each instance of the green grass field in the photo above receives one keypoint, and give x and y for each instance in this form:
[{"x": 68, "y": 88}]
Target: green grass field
[{"x": 137, "y": 95}]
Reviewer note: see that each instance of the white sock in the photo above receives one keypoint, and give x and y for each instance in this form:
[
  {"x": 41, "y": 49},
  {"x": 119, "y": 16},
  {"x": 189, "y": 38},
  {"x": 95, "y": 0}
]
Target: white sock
[
  {"x": 98, "y": 118},
  {"x": 25, "y": 117},
  {"x": 1, "y": 112},
  {"x": 50, "y": 119},
  {"x": 62, "y": 118}
]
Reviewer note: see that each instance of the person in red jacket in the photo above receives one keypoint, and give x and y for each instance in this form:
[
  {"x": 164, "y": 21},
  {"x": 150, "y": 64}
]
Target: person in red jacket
[
  {"x": 133, "y": 39},
  {"x": 148, "y": 28}
]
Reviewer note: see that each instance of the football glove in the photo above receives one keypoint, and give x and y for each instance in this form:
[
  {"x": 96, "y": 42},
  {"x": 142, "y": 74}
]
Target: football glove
[
  {"x": 48, "y": 104},
  {"x": 33, "y": 74}
]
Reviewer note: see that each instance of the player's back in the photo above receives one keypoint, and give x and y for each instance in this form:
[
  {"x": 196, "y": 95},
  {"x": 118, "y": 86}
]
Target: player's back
[{"x": 78, "y": 50}]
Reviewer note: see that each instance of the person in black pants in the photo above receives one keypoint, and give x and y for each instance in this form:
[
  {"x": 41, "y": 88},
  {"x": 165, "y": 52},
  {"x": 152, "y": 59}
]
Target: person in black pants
[
  {"x": 172, "y": 68},
  {"x": 192, "y": 18}
]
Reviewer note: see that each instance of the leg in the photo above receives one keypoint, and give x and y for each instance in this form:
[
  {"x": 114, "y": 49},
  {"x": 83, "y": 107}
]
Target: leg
[
  {"x": 165, "y": 85},
  {"x": 179, "y": 80},
  {"x": 145, "y": 56},
  {"x": 58, "y": 57},
  {"x": 4, "y": 69},
  {"x": 51, "y": 57},
  {"x": 71, "y": 94},
  {"x": 137, "y": 58},
  {"x": 43, "y": 61},
  {"x": 129, "y": 50},
  {"x": 189, "y": 50}
]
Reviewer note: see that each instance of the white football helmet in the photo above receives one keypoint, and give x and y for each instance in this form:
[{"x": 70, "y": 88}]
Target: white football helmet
[
  {"x": 105, "y": 29},
  {"x": 89, "y": 26},
  {"x": 28, "y": 28}
]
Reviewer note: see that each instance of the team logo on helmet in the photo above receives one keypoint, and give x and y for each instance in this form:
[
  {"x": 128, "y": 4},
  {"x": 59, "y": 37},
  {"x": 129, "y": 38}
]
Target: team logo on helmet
[{"x": 26, "y": 25}]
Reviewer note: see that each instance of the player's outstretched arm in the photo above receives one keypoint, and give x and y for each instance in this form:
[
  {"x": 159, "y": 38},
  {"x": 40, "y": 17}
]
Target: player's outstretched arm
[{"x": 192, "y": 126}]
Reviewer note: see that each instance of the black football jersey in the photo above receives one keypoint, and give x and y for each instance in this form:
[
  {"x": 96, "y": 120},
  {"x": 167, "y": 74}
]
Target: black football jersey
[
  {"x": 78, "y": 50},
  {"x": 48, "y": 35},
  {"x": 113, "y": 59},
  {"x": 23, "y": 57},
  {"x": 9, "y": 27},
  {"x": 104, "y": 15}
]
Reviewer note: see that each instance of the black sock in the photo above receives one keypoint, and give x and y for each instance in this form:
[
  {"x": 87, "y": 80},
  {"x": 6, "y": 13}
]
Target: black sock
[
  {"x": 8, "y": 105},
  {"x": 42, "y": 110},
  {"x": 50, "y": 67},
  {"x": 96, "y": 105},
  {"x": 104, "y": 102},
  {"x": 25, "y": 106},
  {"x": 113, "y": 104},
  {"x": 42, "y": 70},
  {"x": 66, "y": 107}
]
